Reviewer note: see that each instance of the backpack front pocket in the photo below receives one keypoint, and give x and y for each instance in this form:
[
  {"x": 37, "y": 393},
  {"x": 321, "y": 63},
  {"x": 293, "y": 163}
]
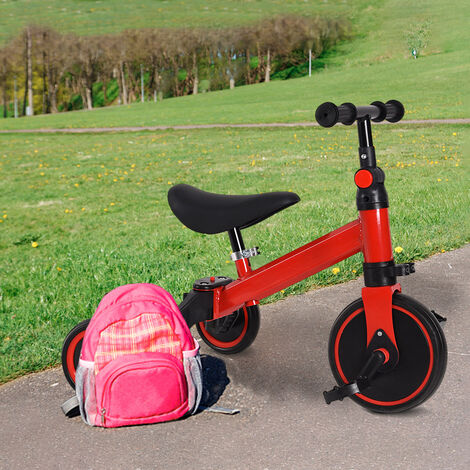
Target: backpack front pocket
[{"x": 149, "y": 388}]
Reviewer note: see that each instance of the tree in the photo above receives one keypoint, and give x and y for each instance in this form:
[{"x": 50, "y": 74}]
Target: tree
[
  {"x": 5, "y": 76},
  {"x": 417, "y": 37},
  {"x": 176, "y": 62},
  {"x": 51, "y": 52},
  {"x": 88, "y": 57}
]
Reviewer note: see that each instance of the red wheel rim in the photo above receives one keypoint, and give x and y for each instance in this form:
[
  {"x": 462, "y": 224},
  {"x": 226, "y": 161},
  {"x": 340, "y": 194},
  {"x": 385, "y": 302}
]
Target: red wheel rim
[
  {"x": 371, "y": 400},
  {"x": 71, "y": 354},
  {"x": 228, "y": 344}
]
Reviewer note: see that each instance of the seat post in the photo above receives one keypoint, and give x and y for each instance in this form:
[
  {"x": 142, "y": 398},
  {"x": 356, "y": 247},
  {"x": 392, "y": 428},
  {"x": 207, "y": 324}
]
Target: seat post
[
  {"x": 238, "y": 247},
  {"x": 236, "y": 239},
  {"x": 242, "y": 257}
]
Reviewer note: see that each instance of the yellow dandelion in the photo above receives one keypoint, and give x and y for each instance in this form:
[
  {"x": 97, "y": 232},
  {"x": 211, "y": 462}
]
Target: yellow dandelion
[
  {"x": 59, "y": 269},
  {"x": 34, "y": 244},
  {"x": 5, "y": 216},
  {"x": 398, "y": 249},
  {"x": 335, "y": 271}
]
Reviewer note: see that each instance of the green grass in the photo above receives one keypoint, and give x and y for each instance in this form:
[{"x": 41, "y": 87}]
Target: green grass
[
  {"x": 110, "y": 16},
  {"x": 292, "y": 100},
  {"x": 99, "y": 221},
  {"x": 376, "y": 65},
  {"x": 96, "y": 207}
]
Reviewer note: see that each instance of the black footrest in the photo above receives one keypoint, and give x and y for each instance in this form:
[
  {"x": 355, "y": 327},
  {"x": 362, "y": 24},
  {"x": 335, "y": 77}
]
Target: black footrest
[
  {"x": 404, "y": 269},
  {"x": 338, "y": 393}
]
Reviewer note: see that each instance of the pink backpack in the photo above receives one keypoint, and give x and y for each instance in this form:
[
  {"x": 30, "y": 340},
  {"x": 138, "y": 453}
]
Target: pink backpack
[{"x": 139, "y": 363}]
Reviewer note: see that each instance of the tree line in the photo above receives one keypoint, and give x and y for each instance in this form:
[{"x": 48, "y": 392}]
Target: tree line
[{"x": 44, "y": 71}]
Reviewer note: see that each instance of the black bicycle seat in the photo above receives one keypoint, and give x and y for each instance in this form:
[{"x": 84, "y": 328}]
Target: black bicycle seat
[{"x": 206, "y": 212}]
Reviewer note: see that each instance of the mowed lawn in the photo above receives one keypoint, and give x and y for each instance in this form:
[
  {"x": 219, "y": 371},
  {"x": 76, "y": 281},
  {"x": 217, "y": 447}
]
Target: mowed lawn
[
  {"x": 87, "y": 17},
  {"x": 82, "y": 214},
  {"x": 375, "y": 64},
  {"x": 431, "y": 87}
]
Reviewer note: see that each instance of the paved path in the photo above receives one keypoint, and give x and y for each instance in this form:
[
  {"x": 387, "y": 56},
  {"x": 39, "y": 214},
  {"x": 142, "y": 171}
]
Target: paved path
[
  {"x": 277, "y": 383},
  {"x": 84, "y": 130}
]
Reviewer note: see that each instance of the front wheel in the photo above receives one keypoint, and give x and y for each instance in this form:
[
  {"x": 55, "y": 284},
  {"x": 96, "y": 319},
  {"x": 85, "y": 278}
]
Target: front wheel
[
  {"x": 422, "y": 355},
  {"x": 233, "y": 333}
]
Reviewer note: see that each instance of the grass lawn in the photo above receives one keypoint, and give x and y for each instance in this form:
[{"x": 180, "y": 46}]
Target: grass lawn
[
  {"x": 109, "y": 16},
  {"x": 376, "y": 65},
  {"x": 292, "y": 100},
  {"x": 96, "y": 207}
]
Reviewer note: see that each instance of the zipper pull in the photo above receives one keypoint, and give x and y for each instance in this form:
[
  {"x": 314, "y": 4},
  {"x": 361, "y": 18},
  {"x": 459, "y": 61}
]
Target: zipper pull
[{"x": 103, "y": 411}]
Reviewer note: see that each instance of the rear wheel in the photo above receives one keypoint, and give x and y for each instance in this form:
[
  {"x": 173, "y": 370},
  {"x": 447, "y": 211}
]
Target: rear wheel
[
  {"x": 233, "y": 333},
  {"x": 422, "y": 355},
  {"x": 71, "y": 351}
]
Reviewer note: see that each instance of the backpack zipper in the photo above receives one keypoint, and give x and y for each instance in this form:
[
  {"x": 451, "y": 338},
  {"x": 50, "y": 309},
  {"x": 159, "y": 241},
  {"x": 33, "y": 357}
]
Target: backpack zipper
[{"x": 103, "y": 418}]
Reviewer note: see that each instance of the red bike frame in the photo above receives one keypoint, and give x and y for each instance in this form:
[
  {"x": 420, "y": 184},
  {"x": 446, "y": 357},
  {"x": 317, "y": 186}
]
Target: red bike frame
[{"x": 370, "y": 233}]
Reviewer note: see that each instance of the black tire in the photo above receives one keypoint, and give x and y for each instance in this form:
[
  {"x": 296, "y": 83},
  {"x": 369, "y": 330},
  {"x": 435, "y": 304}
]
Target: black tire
[
  {"x": 233, "y": 333},
  {"x": 422, "y": 355},
  {"x": 71, "y": 351}
]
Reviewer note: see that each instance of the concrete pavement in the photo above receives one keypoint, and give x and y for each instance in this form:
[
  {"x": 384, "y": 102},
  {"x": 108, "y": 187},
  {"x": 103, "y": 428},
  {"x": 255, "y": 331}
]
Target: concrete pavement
[{"x": 277, "y": 383}]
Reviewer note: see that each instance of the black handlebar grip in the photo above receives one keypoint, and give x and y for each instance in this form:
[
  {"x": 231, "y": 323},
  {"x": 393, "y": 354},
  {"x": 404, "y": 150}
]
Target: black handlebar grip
[
  {"x": 347, "y": 113},
  {"x": 382, "y": 111},
  {"x": 328, "y": 114},
  {"x": 395, "y": 111}
]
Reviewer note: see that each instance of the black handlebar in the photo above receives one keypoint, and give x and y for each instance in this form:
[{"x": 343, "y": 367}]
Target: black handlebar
[{"x": 328, "y": 114}]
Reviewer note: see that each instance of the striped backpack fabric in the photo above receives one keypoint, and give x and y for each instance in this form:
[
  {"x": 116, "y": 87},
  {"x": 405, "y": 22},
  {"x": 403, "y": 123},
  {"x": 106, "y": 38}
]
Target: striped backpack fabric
[{"x": 139, "y": 363}]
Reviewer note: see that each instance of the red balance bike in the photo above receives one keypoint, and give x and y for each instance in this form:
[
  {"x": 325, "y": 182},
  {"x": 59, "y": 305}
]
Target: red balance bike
[{"x": 387, "y": 351}]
